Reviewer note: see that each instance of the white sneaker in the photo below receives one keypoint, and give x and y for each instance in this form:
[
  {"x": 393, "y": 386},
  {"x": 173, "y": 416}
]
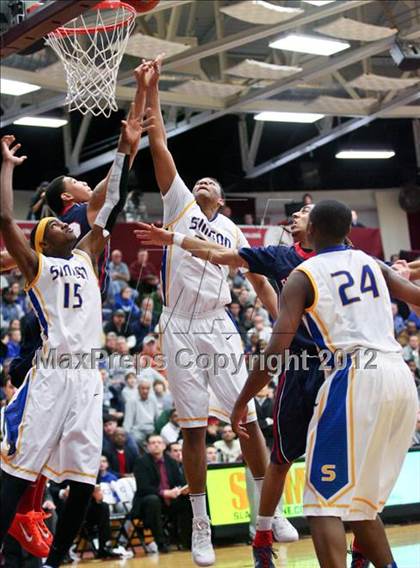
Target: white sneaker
[
  {"x": 201, "y": 546},
  {"x": 283, "y": 531},
  {"x": 152, "y": 547}
]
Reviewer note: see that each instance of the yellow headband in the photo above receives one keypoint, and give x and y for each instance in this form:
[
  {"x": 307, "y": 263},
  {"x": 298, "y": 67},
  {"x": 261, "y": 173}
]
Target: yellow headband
[{"x": 40, "y": 232}]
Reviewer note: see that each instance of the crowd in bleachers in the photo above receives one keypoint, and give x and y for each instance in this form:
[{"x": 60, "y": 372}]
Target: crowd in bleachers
[{"x": 138, "y": 405}]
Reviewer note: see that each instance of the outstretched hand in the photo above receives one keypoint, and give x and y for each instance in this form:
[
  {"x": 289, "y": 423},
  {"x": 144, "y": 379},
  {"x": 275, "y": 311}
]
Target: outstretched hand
[
  {"x": 143, "y": 74},
  {"x": 8, "y": 151},
  {"x": 152, "y": 235},
  {"x": 156, "y": 69},
  {"x": 402, "y": 268}
]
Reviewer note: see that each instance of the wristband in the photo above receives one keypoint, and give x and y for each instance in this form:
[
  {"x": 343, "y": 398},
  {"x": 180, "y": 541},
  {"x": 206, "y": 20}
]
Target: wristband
[{"x": 178, "y": 239}]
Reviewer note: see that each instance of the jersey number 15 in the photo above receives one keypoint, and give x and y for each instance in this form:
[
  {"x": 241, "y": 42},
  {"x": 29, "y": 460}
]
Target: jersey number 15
[
  {"x": 367, "y": 284},
  {"x": 72, "y": 299}
]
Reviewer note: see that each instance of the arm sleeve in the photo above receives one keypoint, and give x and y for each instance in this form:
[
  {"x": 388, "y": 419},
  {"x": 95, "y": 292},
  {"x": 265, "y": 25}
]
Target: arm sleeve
[
  {"x": 175, "y": 200},
  {"x": 261, "y": 260},
  {"x": 116, "y": 193}
]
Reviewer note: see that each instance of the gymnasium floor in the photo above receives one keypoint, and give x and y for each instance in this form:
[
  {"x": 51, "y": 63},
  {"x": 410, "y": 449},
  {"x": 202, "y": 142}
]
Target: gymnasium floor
[{"x": 405, "y": 541}]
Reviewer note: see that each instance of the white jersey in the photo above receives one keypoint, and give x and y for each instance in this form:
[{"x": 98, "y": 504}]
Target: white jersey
[
  {"x": 191, "y": 285},
  {"x": 352, "y": 306},
  {"x": 66, "y": 298}
]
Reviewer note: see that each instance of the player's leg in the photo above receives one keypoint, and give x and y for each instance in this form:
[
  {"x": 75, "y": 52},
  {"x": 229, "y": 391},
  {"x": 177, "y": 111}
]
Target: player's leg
[
  {"x": 70, "y": 521},
  {"x": 12, "y": 489},
  {"x": 188, "y": 384},
  {"x": 372, "y": 540},
  {"x": 329, "y": 540}
]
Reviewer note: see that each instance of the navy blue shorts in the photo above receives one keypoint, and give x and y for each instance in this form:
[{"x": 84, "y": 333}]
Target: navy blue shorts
[{"x": 295, "y": 398}]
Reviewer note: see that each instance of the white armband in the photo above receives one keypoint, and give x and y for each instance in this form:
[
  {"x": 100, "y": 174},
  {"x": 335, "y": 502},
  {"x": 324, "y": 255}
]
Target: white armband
[
  {"x": 112, "y": 192},
  {"x": 178, "y": 239}
]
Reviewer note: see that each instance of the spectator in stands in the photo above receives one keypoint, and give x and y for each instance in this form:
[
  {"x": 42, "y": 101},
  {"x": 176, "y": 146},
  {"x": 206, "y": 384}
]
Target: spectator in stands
[
  {"x": 142, "y": 271},
  {"x": 414, "y": 318},
  {"x": 174, "y": 451},
  {"x": 15, "y": 324},
  {"x": 130, "y": 391},
  {"x": 235, "y": 312},
  {"x": 37, "y": 203},
  {"x": 229, "y": 445},
  {"x": 264, "y": 407},
  {"x": 399, "y": 325},
  {"x": 125, "y": 301},
  {"x": 159, "y": 493},
  {"x": 260, "y": 329},
  {"x": 212, "y": 455},
  {"x": 147, "y": 304},
  {"x": 97, "y": 519},
  {"x": 355, "y": 219},
  {"x": 135, "y": 208},
  {"x": 140, "y": 414},
  {"x": 411, "y": 351},
  {"x": 13, "y": 345},
  {"x": 307, "y": 199},
  {"x": 121, "y": 454},
  {"x": 212, "y": 431},
  {"x": 111, "y": 342},
  {"x": 10, "y": 306},
  {"x": 163, "y": 396},
  {"x": 249, "y": 219},
  {"x": 150, "y": 352},
  {"x": 142, "y": 327},
  {"x": 416, "y": 436},
  {"x": 171, "y": 431},
  {"x": 118, "y": 324},
  {"x": 105, "y": 474},
  {"x": 110, "y": 427},
  {"x": 118, "y": 270}
]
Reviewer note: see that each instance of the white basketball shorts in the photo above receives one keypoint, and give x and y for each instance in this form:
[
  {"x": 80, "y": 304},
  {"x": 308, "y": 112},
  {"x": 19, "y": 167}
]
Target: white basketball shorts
[
  {"x": 206, "y": 365},
  {"x": 53, "y": 426},
  {"x": 358, "y": 437}
]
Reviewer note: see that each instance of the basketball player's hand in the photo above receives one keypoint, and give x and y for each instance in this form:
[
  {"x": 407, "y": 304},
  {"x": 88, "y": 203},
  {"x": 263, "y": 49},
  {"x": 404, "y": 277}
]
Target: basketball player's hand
[
  {"x": 8, "y": 151},
  {"x": 239, "y": 414},
  {"x": 157, "y": 67},
  {"x": 143, "y": 74},
  {"x": 131, "y": 129},
  {"x": 401, "y": 266},
  {"x": 151, "y": 235}
]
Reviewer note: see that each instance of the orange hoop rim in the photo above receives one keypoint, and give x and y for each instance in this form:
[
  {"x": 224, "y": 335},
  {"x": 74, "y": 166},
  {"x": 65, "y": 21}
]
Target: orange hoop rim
[{"x": 104, "y": 5}]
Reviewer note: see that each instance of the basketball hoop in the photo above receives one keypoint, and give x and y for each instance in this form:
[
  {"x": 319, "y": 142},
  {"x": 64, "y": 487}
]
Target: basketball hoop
[{"x": 91, "y": 48}]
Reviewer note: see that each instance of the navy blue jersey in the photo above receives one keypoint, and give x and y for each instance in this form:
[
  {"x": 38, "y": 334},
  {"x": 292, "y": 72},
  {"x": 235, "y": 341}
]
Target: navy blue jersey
[
  {"x": 77, "y": 218},
  {"x": 277, "y": 262}
]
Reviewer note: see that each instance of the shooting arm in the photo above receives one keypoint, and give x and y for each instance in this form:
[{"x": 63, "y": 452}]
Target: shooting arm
[
  {"x": 14, "y": 239},
  {"x": 165, "y": 169},
  {"x": 265, "y": 292}
]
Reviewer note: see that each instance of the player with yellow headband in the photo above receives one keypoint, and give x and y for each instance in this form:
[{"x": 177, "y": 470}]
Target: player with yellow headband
[{"x": 53, "y": 424}]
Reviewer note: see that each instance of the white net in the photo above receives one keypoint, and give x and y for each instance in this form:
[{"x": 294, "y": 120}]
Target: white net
[{"x": 91, "y": 48}]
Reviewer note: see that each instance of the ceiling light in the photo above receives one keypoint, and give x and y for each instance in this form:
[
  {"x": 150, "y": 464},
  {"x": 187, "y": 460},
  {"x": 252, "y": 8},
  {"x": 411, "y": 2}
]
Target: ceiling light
[
  {"x": 273, "y": 116},
  {"x": 318, "y": 2},
  {"x": 365, "y": 154},
  {"x": 309, "y": 44},
  {"x": 40, "y": 121},
  {"x": 16, "y": 88}
]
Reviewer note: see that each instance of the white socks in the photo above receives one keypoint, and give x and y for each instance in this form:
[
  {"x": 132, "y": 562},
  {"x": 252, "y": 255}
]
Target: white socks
[
  {"x": 264, "y": 523},
  {"x": 198, "y": 504}
]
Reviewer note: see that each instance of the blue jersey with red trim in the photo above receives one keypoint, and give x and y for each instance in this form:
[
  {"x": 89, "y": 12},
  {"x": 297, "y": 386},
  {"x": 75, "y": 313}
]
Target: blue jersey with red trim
[
  {"x": 77, "y": 218},
  {"x": 277, "y": 262}
]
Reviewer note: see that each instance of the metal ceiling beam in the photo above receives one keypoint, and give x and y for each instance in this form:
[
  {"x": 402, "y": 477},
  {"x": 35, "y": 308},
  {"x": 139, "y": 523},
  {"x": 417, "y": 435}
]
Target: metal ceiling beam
[
  {"x": 320, "y": 67},
  {"x": 405, "y": 97},
  {"x": 261, "y": 32},
  {"x": 40, "y": 23}
]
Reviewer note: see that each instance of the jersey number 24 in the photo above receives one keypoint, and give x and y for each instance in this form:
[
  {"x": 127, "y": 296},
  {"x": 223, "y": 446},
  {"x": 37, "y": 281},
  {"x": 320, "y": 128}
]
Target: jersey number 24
[{"x": 367, "y": 284}]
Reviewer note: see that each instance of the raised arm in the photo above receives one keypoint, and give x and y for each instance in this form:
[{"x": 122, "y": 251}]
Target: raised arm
[
  {"x": 165, "y": 169},
  {"x": 401, "y": 288},
  {"x": 297, "y": 294},
  {"x": 414, "y": 269},
  {"x": 94, "y": 242},
  {"x": 206, "y": 250},
  {"x": 265, "y": 292},
  {"x": 99, "y": 193},
  {"x": 14, "y": 238}
]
